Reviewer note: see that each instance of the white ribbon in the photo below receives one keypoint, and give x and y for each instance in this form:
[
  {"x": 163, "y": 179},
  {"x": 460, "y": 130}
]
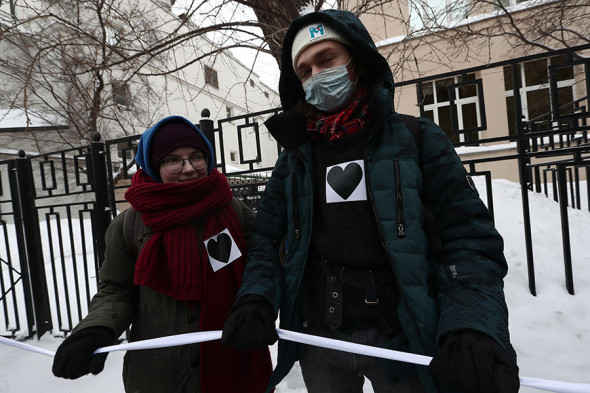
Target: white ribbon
[
  {"x": 354, "y": 348},
  {"x": 26, "y": 347},
  {"x": 161, "y": 342},
  {"x": 193, "y": 338},
  {"x": 555, "y": 386},
  {"x": 541, "y": 384}
]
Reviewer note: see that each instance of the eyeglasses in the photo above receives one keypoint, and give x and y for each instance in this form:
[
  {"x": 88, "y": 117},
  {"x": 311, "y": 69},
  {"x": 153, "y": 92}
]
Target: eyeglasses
[{"x": 175, "y": 165}]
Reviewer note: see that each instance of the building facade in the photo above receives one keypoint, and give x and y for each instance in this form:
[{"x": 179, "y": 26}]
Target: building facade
[
  {"x": 454, "y": 51},
  {"x": 71, "y": 69}
]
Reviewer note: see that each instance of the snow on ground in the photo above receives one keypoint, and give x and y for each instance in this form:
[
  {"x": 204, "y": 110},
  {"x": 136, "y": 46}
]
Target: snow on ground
[{"x": 549, "y": 331}]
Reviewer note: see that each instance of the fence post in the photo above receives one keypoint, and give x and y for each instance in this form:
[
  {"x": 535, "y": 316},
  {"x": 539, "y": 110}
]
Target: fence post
[
  {"x": 32, "y": 264},
  {"x": 565, "y": 232},
  {"x": 101, "y": 207},
  {"x": 21, "y": 249},
  {"x": 206, "y": 126},
  {"x": 523, "y": 147}
]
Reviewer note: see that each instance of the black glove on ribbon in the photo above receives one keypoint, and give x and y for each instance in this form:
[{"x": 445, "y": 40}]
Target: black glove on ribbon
[
  {"x": 75, "y": 356},
  {"x": 476, "y": 363},
  {"x": 250, "y": 325}
]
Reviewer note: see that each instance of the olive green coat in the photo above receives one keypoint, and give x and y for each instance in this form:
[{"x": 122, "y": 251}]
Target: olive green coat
[{"x": 119, "y": 304}]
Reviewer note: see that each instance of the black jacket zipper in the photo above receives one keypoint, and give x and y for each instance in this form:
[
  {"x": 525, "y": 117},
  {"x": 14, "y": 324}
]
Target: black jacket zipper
[
  {"x": 399, "y": 201},
  {"x": 294, "y": 209},
  {"x": 401, "y": 293}
]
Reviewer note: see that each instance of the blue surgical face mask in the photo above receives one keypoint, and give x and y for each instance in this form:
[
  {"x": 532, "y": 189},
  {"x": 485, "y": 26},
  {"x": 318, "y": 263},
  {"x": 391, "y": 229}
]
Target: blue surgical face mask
[{"x": 329, "y": 90}]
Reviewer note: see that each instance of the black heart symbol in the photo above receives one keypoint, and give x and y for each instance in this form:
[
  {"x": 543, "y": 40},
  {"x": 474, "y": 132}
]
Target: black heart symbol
[
  {"x": 344, "y": 182},
  {"x": 220, "y": 249}
]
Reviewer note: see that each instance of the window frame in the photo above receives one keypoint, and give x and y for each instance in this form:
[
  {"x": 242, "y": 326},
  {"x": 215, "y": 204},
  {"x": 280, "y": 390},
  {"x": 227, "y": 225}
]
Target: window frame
[
  {"x": 526, "y": 89},
  {"x": 511, "y": 3},
  {"x": 431, "y": 15},
  {"x": 211, "y": 76},
  {"x": 121, "y": 94},
  {"x": 455, "y": 101}
]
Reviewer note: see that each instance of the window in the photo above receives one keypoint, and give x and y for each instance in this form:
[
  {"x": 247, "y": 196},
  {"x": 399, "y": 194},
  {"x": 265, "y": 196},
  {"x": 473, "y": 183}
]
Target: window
[
  {"x": 113, "y": 36},
  {"x": 535, "y": 94},
  {"x": 432, "y": 13},
  {"x": 211, "y": 77},
  {"x": 436, "y": 103},
  {"x": 124, "y": 151},
  {"x": 252, "y": 83},
  {"x": 121, "y": 93},
  {"x": 229, "y": 112},
  {"x": 508, "y": 3},
  {"x": 266, "y": 94},
  {"x": 233, "y": 156}
]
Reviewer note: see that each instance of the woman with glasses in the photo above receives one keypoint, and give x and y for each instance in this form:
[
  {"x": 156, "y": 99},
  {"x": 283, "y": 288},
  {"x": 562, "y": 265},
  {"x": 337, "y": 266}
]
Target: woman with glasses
[{"x": 173, "y": 265}]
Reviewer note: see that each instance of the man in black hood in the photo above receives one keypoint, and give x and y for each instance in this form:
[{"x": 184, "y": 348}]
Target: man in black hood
[{"x": 340, "y": 243}]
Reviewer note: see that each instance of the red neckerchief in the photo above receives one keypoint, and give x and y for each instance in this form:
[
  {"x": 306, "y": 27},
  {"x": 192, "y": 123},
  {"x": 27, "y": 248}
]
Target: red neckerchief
[
  {"x": 349, "y": 120},
  {"x": 174, "y": 261}
]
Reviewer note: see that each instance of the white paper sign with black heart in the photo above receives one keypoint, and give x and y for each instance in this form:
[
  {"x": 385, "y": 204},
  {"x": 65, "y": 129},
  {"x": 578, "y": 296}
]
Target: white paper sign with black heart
[
  {"x": 346, "y": 182},
  {"x": 222, "y": 250}
]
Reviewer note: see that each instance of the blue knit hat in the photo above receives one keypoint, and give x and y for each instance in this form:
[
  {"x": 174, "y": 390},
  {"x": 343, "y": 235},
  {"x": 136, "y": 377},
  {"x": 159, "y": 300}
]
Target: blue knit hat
[{"x": 168, "y": 134}]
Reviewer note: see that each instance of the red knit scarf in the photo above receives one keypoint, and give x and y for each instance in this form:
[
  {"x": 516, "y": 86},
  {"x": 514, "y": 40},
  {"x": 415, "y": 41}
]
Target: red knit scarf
[
  {"x": 174, "y": 261},
  {"x": 349, "y": 120}
]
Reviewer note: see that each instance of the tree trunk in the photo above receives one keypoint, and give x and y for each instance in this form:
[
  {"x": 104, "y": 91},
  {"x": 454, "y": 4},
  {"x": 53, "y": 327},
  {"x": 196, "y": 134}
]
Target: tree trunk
[{"x": 274, "y": 18}]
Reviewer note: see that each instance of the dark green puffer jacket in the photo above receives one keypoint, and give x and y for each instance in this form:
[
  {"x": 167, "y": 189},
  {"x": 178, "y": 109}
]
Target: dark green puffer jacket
[{"x": 462, "y": 288}]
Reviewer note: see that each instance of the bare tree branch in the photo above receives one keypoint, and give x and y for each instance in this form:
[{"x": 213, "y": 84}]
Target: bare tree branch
[{"x": 69, "y": 59}]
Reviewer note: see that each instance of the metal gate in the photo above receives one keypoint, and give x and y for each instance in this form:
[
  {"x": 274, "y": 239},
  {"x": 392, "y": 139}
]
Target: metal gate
[{"x": 55, "y": 207}]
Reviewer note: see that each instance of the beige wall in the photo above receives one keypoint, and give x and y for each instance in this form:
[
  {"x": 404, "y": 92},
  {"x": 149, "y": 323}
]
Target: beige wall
[
  {"x": 382, "y": 19},
  {"x": 495, "y": 103},
  {"x": 436, "y": 55},
  {"x": 507, "y": 168}
]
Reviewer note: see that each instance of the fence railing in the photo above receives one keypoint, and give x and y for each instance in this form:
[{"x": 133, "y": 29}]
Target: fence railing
[{"x": 55, "y": 207}]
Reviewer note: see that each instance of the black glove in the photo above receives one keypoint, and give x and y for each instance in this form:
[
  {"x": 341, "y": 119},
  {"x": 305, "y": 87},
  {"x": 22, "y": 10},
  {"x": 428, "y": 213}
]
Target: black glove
[
  {"x": 75, "y": 356},
  {"x": 287, "y": 127},
  {"x": 250, "y": 325},
  {"x": 475, "y": 363}
]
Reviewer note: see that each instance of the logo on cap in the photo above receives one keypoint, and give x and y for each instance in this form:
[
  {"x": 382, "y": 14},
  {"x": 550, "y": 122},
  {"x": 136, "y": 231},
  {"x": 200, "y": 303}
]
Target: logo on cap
[{"x": 316, "y": 32}]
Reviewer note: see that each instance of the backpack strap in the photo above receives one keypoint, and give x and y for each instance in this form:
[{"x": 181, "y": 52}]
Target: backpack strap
[
  {"x": 236, "y": 205},
  {"x": 411, "y": 123},
  {"x": 132, "y": 229}
]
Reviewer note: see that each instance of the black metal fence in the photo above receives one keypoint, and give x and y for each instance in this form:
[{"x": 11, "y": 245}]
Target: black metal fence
[{"x": 55, "y": 207}]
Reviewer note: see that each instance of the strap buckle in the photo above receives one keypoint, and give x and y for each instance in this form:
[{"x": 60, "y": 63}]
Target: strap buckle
[{"x": 371, "y": 292}]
